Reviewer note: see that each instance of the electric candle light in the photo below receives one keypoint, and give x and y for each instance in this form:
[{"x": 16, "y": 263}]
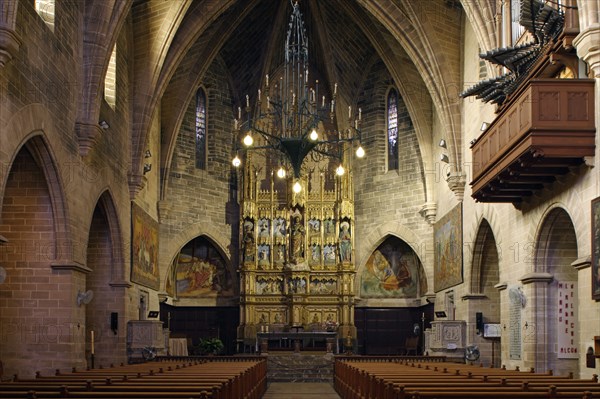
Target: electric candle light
[
  {"x": 92, "y": 341},
  {"x": 360, "y": 114},
  {"x": 323, "y": 105},
  {"x": 349, "y": 111},
  {"x": 239, "y": 112},
  {"x": 247, "y": 100},
  {"x": 267, "y": 77},
  {"x": 335, "y": 89}
]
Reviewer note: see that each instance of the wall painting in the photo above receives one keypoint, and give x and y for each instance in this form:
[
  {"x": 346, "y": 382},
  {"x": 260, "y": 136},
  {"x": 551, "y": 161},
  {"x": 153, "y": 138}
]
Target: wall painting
[
  {"x": 144, "y": 248},
  {"x": 201, "y": 271},
  {"x": 392, "y": 271},
  {"x": 448, "y": 250},
  {"x": 596, "y": 249}
]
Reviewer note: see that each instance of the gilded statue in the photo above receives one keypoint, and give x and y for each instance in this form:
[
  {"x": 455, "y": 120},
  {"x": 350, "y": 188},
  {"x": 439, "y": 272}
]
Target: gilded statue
[
  {"x": 297, "y": 239},
  {"x": 345, "y": 242}
]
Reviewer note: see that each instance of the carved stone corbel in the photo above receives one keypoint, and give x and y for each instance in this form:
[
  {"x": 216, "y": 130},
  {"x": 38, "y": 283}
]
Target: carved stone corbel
[{"x": 9, "y": 45}]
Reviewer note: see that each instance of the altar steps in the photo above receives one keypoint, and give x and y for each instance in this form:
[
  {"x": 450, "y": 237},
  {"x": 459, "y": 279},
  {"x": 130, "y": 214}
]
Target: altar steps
[{"x": 299, "y": 367}]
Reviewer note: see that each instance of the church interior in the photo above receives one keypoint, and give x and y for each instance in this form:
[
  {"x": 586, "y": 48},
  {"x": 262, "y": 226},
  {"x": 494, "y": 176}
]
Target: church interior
[{"x": 385, "y": 177}]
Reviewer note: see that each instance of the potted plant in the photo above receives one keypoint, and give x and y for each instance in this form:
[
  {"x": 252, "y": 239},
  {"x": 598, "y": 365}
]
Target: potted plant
[{"x": 210, "y": 346}]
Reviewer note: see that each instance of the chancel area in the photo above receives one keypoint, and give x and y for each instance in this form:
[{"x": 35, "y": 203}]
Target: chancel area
[{"x": 260, "y": 182}]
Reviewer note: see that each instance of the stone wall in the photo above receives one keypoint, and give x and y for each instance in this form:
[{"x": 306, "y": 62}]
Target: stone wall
[
  {"x": 387, "y": 202},
  {"x": 203, "y": 202}
]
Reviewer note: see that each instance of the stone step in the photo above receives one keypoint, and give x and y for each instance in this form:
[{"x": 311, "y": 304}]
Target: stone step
[{"x": 299, "y": 368}]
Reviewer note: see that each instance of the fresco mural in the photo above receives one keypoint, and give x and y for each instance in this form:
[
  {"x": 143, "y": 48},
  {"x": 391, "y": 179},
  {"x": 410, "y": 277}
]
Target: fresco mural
[
  {"x": 201, "y": 271},
  {"x": 392, "y": 271}
]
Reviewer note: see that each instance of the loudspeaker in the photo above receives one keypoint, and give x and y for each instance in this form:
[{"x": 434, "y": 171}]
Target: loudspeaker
[
  {"x": 479, "y": 321},
  {"x": 114, "y": 322}
]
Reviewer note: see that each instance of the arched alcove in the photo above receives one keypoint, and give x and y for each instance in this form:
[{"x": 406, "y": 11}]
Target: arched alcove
[
  {"x": 484, "y": 297},
  {"x": 108, "y": 298},
  {"x": 205, "y": 298},
  {"x": 554, "y": 298},
  {"x": 32, "y": 292}
]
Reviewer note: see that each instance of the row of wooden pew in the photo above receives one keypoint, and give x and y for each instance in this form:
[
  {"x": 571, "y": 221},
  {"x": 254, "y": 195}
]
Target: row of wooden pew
[
  {"x": 415, "y": 380},
  {"x": 218, "y": 379}
]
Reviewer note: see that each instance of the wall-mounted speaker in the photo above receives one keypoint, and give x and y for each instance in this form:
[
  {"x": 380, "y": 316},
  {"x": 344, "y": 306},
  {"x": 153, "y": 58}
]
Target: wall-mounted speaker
[
  {"x": 114, "y": 322},
  {"x": 479, "y": 321}
]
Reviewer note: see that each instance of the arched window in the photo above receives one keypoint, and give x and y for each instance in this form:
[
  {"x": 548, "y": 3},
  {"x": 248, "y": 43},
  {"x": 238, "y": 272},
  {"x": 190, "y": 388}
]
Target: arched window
[
  {"x": 110, "y": 80},
  {"x": 392, "y": 129},
  {"x": 45, "y": 9},
  {"x": 200, "y": 129}
]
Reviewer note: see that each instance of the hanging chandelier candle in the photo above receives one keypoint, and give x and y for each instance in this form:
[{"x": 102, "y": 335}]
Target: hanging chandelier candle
[{"x": 292, "y": 119}]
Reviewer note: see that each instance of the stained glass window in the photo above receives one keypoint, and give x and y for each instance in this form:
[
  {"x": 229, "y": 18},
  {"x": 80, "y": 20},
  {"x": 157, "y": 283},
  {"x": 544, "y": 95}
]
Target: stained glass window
[
  {"x": 200, "y": 129},
  {"x": 392, "y": 129}
]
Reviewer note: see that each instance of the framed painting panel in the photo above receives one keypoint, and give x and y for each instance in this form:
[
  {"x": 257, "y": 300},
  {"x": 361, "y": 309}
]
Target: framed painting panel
[
  {"x": 144, "y": 248},
  {"x": 448, "y": 256},
  {"x": 596, "y": 249}
]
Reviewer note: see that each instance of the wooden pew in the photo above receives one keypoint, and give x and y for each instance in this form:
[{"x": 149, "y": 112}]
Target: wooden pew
[
  {"x": 168, "y": 379},
  {"x": 399, "y": 380}
]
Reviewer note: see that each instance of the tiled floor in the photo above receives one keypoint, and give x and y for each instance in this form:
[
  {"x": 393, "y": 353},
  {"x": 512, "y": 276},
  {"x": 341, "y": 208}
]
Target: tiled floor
[{"x": 300, "y": 390}]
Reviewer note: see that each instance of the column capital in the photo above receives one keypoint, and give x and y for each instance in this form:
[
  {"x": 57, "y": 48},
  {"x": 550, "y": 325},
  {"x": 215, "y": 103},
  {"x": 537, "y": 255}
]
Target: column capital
[{"x": 587, "y": 43}]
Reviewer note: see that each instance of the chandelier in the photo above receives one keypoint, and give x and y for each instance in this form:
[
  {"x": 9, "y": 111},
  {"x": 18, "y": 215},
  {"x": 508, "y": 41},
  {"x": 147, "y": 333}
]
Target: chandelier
[{"x": 291, "y": 121}]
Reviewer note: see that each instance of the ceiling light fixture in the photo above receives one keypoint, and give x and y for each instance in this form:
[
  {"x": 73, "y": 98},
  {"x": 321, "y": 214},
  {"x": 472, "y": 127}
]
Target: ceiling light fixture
[{"x": 290, "y": 116}]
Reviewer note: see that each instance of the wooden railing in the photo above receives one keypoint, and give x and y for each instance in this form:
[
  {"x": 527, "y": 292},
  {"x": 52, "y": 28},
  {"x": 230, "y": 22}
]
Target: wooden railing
[{"x": 549, "y": 118}]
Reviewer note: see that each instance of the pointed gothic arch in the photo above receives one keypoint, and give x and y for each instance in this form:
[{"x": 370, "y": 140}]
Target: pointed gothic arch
[{"x": 553, "y": 279}]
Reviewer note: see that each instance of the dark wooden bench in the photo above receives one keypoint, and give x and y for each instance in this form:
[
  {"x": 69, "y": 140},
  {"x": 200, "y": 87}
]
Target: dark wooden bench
[
  {"x": 407, "y": 379},
  {"x": 168, "y": 379}
]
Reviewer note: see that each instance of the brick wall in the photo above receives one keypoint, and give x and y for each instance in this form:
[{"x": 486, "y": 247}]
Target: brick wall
[{"x": 35, "y": 302}]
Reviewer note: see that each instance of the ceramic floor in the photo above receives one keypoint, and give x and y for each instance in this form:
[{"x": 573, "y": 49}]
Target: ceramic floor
[{"x": 300, "y": 390}]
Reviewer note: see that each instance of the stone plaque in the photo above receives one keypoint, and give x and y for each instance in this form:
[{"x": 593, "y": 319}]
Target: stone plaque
[{"x": 514, "y": 323}]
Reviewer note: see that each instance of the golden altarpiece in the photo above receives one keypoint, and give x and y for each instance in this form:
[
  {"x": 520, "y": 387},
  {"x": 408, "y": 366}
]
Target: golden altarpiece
[
  {"x": 297, "y": 250},
  {"x": 296, "y": 234}
]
